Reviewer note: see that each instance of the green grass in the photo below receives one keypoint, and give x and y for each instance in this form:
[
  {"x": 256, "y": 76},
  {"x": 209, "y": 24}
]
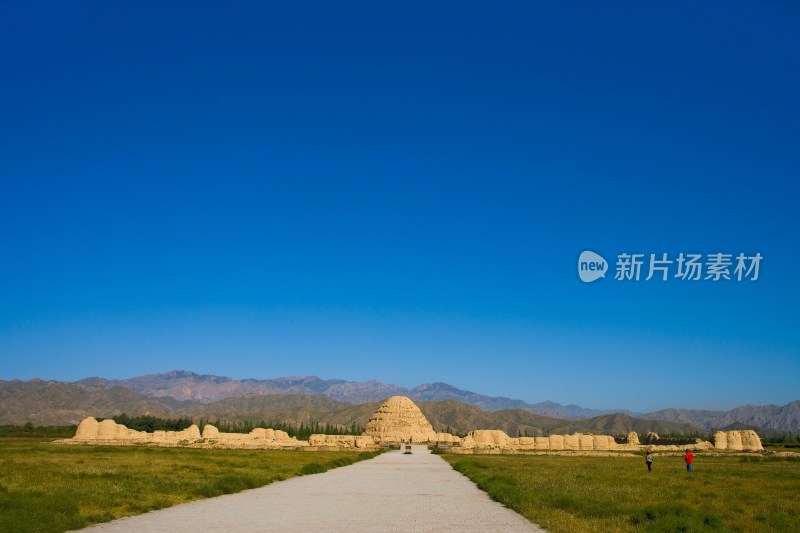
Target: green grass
[
  {"x": 50, "y": 488},
  {"x": 617, "y": 494}
]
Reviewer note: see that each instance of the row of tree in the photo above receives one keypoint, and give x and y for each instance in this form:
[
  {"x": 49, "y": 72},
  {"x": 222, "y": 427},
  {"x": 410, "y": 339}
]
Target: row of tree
[
  {"x": 301, "y": 431},
  {"x": 152, "y": 423},
  {"x": 785, "y": 438},
  {"x": 29, "y": 430},
  {"x": 452, "y": 431}
]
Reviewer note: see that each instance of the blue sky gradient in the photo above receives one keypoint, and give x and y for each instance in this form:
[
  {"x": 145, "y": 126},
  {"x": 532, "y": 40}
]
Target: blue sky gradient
[{"x": 401, "y": 193}]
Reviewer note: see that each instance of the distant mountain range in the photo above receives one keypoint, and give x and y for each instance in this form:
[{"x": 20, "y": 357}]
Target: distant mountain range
[
  {"x": 184, "y": 385},
  {"x": 298, "y": 400},
  {"x": 56, "y": 403},
  {"x": 777, "y": 417}
]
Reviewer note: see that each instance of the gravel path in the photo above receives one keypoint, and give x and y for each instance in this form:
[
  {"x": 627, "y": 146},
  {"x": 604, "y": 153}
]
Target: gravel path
[{"x": 390, "y": 493}]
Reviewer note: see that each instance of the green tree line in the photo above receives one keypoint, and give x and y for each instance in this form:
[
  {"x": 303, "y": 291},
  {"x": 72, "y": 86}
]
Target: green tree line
[
  {"x": 301, "y": 431},
  {"x": 152, "y": 423},
  {"x": 29, "y": 430},
  {"x": 785, "y": 438}
]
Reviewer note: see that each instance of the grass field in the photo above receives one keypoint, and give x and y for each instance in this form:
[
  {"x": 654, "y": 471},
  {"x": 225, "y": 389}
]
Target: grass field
[
  {"x": 49, "y": 488},
  {"x": 617, "y": 494}
]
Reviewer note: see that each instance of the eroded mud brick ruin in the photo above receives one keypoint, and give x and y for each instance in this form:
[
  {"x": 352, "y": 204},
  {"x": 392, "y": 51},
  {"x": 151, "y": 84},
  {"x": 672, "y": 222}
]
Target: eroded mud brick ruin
[{"x": 397, "y": 420}]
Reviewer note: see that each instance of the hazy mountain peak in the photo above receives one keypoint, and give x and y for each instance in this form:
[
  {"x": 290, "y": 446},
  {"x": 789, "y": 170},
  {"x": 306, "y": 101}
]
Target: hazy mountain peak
[{"x": 440, "y": 386}]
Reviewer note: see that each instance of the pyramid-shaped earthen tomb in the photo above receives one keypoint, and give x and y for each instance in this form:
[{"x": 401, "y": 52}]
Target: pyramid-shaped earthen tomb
[{"x": 398, "y": 419}]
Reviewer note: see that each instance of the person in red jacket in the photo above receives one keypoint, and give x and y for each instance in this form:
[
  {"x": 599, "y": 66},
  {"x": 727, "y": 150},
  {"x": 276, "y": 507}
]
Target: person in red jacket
[{"x": 688, "y": 459}]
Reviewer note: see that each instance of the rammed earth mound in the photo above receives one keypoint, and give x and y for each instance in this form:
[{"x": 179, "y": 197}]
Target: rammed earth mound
[{"x": 397, "y": 420}]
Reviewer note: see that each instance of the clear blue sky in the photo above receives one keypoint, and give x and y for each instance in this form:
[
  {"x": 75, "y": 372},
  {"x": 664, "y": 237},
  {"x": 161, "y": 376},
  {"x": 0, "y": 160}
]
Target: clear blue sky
[{"x": 400, "y": 192}]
